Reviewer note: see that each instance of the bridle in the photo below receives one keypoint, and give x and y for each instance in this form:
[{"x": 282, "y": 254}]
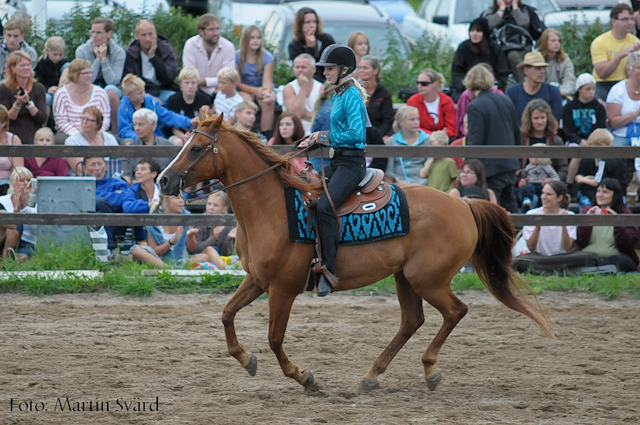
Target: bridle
[{"x": 214, "y": 149}]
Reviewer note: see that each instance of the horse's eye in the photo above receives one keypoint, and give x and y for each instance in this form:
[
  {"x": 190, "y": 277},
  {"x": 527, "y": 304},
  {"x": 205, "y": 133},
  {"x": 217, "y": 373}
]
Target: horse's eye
[{"x": 196, "y": 149}]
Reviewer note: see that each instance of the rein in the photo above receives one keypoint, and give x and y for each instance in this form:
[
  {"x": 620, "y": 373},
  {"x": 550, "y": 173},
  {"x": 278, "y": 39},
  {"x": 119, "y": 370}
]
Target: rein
[{"x": 212, "y": 147}]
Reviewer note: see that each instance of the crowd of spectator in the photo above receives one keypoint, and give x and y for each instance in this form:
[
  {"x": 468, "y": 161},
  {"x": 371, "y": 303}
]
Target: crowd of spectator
[{"x": 116, "y": 95}]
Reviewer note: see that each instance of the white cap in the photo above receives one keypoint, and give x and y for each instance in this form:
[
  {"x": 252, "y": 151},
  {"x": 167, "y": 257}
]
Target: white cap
[{"x": 583, "y": 79}]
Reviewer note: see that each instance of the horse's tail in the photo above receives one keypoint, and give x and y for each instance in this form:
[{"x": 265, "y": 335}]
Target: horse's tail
[{"x": 492, "y": 261}]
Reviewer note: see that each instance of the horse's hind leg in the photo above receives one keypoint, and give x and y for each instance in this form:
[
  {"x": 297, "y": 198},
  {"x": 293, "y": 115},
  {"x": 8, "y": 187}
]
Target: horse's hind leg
[
  {"x": 412, "y": 319},
  {"x": 246, "y": 293},
  {"x": 452, "y": 310}
]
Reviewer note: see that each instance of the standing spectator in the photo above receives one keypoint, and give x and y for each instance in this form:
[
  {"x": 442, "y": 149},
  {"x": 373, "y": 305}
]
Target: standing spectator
[
  {"x": 408, "y": 133},
  {"x": 614, "y": 245},
  {"x": 137, "y": 98},
  {"x": 513, "y": 12},
  {"x": 493, "y": 121},
  {"x": 151, "y": 57},
  {"x": 288, "y": 131},
  {"x": 623, "y": 105},
  {"x": 13, "y": 41},
  {"x": 480, "y": 48},
  {"x": 560, "y": 72},
  {"x": 70, "y": 101},
  {"x": 227, "y": 97},
  {"x": 584, "y": 113},
  {"x": 471, "y": 175},
  {"x": 44, "y": 166},
  {"x": 467, "y": 97},
  {"x": 24, "y": 97},
  {"x": 7, "y": 164},
  {"x": 437, "y": 111},
  {"x": 380, "y": 105},
  {"x": 91, "y": 133},
  {"x": 300, "y": 94},
  {"x": 49, "y": 68},
  {"x": 219, "y": 238},
  {"x": 187, "y": 102},
  {"x": 145, "y": 122},
  {"x": 309, "y": 38},
  {"x": 208, "y": 52},
  {"x": 107, "y": 60},
  {"x": 255, "y": 67},
  {"x": 440, "y": 173},
  {"x": 359, "y": 43},
  {"x": 534, "y": 86},
  {"x": 609, "y": 50}
]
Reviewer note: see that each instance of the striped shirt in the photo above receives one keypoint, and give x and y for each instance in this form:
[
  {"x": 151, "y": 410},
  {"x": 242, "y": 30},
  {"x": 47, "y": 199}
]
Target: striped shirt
[
  {"x": 227, "y": 105},
  {"x": 68, "y": 114},
  {"x": 348, "y": 120}
]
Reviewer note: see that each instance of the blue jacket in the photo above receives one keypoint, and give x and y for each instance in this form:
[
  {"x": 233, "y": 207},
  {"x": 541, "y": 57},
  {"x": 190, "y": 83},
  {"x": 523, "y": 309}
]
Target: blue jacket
[
  {"x": 133, "y": 203},
  {"x": 113, "y": 190},
  {"x": 165, "y": 117},
  {"x": 348, "y": 120}
]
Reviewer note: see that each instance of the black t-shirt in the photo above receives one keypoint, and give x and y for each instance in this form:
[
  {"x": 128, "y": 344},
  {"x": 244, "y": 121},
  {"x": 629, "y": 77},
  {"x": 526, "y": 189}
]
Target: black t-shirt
[{"x": 177, "y": 104}]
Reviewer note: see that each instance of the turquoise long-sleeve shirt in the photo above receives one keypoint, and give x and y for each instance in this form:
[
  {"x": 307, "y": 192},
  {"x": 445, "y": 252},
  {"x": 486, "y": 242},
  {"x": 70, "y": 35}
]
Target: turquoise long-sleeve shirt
[{"x": 348, "y": 120}]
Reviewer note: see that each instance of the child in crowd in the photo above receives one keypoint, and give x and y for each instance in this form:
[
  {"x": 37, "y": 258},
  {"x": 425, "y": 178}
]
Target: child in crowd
[
  {"x": 187, "y": 102},
  {"x": 228, "y": 98},
  {"x": 49, "y": 67},
  {"x": 408, "y": 133},
  {"x": 359, "y": 42},
  {"x": 221, "y": 239},
  {"x": 246, "y": 117},
  {"x": 44, "y": 166},
  {"x": 440, "y": 173},
  {"x": 535, "y": 175},
  {"x": 583, "y": 114}
]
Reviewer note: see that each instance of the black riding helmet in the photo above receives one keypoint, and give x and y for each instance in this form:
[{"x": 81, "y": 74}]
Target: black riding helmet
[{"x": 339, "y": 55}]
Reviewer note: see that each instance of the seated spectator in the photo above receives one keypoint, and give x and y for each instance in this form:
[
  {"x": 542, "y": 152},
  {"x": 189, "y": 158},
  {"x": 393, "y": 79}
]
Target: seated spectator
[
  {"x": 145, "y": 122},
  {"x": 503, "y": 12},
  {"x": 534, "y": 86},
  {"x": 461, "y": 141},
  {"x": 144, "y": 192},
  {"x": 15, "y": 200},
  {"x": 288, "y": 131},
  {"x": 539, "y": 126},
  {"x": 437, "y": 111},
  {"x": 107, "y": 59},
  {"x": 480, "y": 48},
  {"x": 227, "y": 97},
  {"x": 91, "y": 133},
  {"x": 70, "y": 101},
  {"x": 300, "y": 94},
  {"x": 309, "y": 38},
  {"x": 472, "y": 175},
  {"x": 467, "y": 96},
  {"x": 246, "y": 117},
  {"x": 614, "y": 245},
  {"x": 13, "y": 41},
  {"x": 151, "y": 57},
  {"x": 255, "y": 66},
  {"x": 592, "y": 171},
  {"x": 7, "y": 164},
  {"x": 23, "y": 97},
  {"x": 408, "y": 133},
  {"x": 380, "y": 104},
  {"x": 321, "y": 120},
  {"x": 560, "y": 72},
  {"x": 584, "y": 113},
  {"x": 167, "y": 245},
  {"x": 208, "y": 53},
  {"x": 221, "y": 239},
  {"x": 45, "y": 166},
  {"x": 440, "y": 173},
  {"x": 622, "y": 105},
  {"x": 188, "y": 102},
  {"x": 136, "y": 98},
  {"x": 359, "y": 43},
  {"x": 533, "y": 177},
  {"x": 49, "y": 68}
]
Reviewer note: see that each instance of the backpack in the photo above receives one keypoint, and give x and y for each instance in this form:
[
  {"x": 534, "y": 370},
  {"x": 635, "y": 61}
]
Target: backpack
[{"x": 512, "y": 37}]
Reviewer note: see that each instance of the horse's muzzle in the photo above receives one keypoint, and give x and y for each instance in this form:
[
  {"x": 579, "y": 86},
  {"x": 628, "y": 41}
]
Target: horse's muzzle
[{"x": 169, "y": 186}]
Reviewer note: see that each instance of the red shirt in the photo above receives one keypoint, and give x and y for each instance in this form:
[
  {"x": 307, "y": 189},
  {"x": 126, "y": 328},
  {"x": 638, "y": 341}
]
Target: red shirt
[
  {"x": 446, "y": 114},
  {"x": 50, "y": 167}
]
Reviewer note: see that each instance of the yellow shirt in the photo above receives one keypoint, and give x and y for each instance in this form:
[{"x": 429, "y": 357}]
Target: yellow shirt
[{"x": 604, "y": 48}]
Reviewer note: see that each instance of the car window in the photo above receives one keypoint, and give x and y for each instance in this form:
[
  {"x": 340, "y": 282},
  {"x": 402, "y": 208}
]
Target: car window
[
  {"x": 429, "y": 8},
  {"x": 467, "y": 11},
  {"x": 542, "y": 6},
  {"x": 273, "y": 32},
  {"x": 443, "y": 8}
]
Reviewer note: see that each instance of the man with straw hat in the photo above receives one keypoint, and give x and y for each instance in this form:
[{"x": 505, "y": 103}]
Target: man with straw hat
[{"x": 534, "y": 87}]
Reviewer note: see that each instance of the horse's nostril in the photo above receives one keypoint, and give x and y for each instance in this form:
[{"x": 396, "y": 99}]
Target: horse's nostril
[{"x": 163, "y": 182}]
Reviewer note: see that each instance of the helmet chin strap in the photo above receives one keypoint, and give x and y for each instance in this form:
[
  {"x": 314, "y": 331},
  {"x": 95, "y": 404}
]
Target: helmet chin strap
[{"x": 343, "y": 74}]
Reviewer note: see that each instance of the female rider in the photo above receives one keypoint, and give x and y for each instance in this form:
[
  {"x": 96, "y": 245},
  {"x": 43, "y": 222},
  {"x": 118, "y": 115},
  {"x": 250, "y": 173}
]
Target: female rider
[{"x": 347, "y": 139}]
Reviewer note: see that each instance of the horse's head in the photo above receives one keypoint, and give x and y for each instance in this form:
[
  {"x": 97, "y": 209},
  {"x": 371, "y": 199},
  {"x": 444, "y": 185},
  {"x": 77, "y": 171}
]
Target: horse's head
[{"x": 198, "y": 161}]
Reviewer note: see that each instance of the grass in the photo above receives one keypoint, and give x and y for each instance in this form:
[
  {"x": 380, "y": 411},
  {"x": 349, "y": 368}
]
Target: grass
[{"x": 415, "y": 3}]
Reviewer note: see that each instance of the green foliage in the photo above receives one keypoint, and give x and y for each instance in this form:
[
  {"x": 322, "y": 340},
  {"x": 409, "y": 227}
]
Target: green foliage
[
  {"x": 576, "y": 42},
  {"x": 177, "y": 27}
]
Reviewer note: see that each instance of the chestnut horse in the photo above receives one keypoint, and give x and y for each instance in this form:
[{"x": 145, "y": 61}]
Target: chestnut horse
[{"x": 445, "y": 232}]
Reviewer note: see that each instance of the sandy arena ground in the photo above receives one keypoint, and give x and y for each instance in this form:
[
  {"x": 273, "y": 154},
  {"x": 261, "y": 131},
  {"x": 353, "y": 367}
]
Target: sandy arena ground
[{"x": 121, "y": 353}]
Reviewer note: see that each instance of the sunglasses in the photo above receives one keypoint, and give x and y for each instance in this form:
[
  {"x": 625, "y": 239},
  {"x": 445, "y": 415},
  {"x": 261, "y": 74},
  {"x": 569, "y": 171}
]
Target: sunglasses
[{"x": 424, "y": 83}]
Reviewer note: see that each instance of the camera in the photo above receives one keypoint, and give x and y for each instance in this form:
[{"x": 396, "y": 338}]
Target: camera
[{"x": 20, "y": 91}]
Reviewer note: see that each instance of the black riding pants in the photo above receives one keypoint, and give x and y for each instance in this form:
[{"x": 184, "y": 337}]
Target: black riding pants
[{"x": 344, "y": 174}]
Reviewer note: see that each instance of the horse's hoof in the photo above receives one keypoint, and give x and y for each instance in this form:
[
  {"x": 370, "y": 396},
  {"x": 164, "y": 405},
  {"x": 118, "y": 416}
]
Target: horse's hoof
[
  {"x": 433, "y": 382},
  {"x": 252, "y": 366},
  {"x": 367, "y": 385},
  {"x": 309, "y": 382}
]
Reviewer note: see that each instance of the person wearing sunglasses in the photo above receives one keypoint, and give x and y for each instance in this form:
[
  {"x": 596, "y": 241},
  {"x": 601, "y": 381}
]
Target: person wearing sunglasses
[
  {"x": 609, "y": 51},
  {"x": 437, "y": 111}
]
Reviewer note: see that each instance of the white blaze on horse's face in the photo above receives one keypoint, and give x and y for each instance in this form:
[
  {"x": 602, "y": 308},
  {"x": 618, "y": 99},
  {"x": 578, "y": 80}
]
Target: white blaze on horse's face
[{"x": 176, "y": 158}]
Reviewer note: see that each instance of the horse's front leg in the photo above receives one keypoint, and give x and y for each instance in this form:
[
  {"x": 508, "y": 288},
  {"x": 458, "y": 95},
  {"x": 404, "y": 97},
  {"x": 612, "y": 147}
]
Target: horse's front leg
[
  {"x": 246, "y": 293},
  {"x": 279, "y": 310}
]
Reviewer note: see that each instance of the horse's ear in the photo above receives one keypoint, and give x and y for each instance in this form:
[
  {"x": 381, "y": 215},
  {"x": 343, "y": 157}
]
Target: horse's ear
[
  {"x": 219, "y": 121},
  {"x": 202, "y": 116}
]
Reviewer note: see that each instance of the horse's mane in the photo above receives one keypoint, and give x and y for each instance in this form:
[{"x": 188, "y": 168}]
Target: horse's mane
[{"x": 285, "y": 171}]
